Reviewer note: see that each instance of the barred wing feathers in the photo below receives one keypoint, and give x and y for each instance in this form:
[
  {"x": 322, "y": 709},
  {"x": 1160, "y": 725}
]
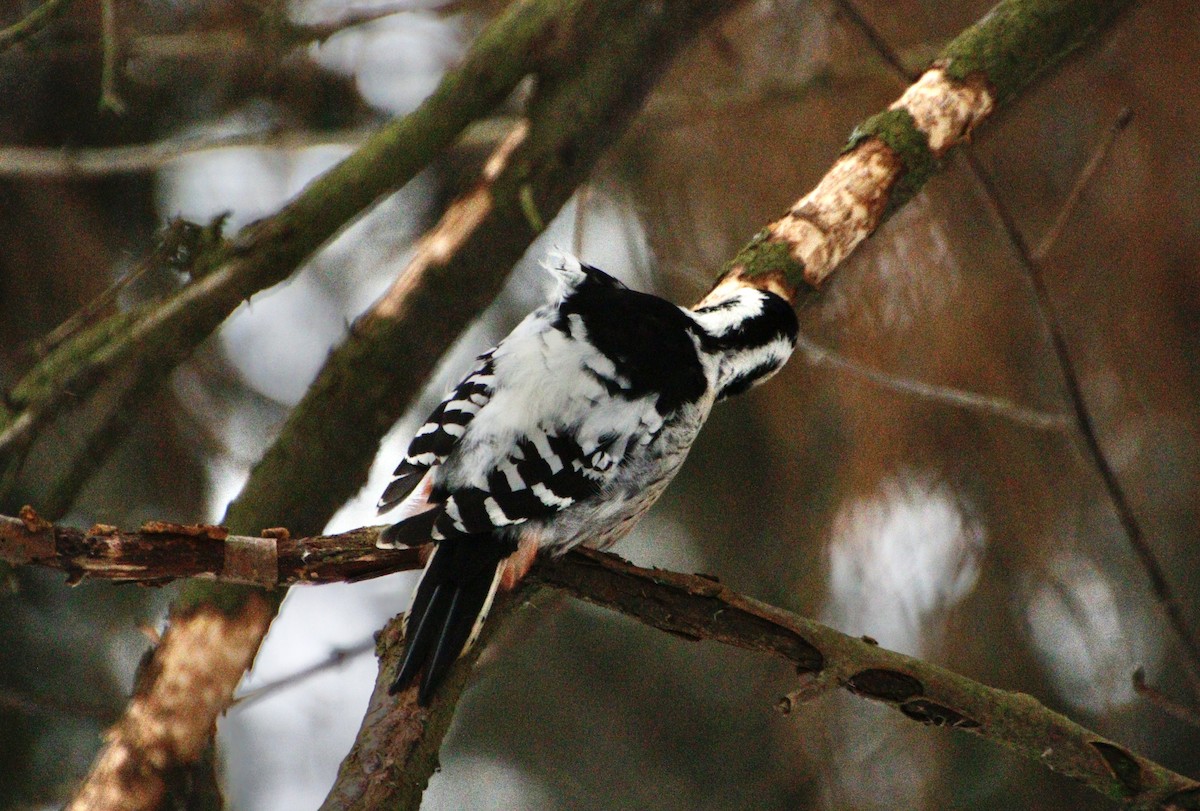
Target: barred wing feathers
[{"x": 434, "y": 441}]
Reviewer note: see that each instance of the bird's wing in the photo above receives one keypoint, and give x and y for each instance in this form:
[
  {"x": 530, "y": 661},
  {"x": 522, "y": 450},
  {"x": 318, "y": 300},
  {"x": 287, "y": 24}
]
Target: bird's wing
[
  {"x": 437, "y": 437},
  {"x": 547, "y": 471}
]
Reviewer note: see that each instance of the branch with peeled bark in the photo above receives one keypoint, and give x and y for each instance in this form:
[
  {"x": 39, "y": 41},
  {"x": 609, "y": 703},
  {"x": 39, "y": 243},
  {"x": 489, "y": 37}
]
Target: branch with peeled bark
[
  {"x": 160, "y": 552},
  {"x": 891, "y": 155},
  {"x": 695, "y": 607}
]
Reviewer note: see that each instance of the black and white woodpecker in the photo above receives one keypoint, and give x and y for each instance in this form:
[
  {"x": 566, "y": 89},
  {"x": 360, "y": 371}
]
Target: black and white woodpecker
[{"x": 564, "y": 433}]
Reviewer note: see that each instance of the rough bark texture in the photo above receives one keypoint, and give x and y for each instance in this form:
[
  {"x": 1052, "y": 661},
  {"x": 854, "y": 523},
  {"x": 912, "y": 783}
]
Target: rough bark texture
[
  {"x": 169, "y": 720},
  {"x": 397, "y": 747},
  {"x": 891, "y": 155},
  {"x": 159, "y": 553}
]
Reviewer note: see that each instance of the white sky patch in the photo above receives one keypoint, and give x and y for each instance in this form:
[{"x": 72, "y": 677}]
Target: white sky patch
[
  {"x": 1089, "y": 640},
  {"x": 899, "y": 558},
  {"x": 417, "y": 46},
  {"x": 483, "y": 784},
  {"x": 318, "y": 718}
]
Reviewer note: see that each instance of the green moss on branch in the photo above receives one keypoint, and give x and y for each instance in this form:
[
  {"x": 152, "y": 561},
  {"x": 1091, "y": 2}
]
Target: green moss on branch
[
  {"x": 897, "y": 129},
  {"x": 1019, "y": 39}
]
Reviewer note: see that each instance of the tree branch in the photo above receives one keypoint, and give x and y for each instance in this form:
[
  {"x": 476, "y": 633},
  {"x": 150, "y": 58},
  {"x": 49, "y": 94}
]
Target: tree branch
[
  {"x": 893, "y": 154},
  {"x": 32, "y": 23},
  {"x": 695, "y": 607},
  {"x": 138, "y": 348},
  {"x": 158, "y": 553}
]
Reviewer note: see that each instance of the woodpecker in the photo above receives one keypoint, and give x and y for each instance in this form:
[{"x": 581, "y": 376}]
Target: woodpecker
[{"x": 564, "y": 433}]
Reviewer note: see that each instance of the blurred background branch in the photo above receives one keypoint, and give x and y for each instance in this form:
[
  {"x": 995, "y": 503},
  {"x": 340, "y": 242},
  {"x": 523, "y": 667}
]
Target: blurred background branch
[{"x": 32, "y": 23}]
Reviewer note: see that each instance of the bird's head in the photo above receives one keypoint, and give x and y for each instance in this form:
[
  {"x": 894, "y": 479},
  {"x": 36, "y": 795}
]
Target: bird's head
[{"x": 751, "y": 331}]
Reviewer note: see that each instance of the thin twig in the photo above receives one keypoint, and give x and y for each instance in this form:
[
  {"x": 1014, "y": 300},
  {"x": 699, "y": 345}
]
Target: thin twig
[
  {"x": 1156, "y": 697},
  {"x": 22, "y": 161},
  {"x": 337, "y": 658},
  {"x": 998, "y": 406},
  {"x": 1099, "y": 153},
  {"x": 32, "y": 22},
  {"x": 881, "y": 46},
  {"x": 1132, "y": 528},
  {"x": 110, "y": 99},
  {"x": 1044, "y": 304}
]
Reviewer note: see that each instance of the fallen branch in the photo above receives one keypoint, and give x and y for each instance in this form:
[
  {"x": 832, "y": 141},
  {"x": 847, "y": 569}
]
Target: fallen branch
[{"x": 695, "y": 607}]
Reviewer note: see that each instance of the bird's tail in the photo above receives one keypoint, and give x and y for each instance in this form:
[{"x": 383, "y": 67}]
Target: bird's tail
[{"x": 451, "y": 603}]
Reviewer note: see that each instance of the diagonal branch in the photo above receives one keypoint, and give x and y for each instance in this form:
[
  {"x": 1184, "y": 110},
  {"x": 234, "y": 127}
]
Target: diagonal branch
[
  {"x": 140, "y": 347},
  {"x": 1031, "y": 259},
  {"x": 32, "y": 23},
  {"x": 694, "y": 607}
]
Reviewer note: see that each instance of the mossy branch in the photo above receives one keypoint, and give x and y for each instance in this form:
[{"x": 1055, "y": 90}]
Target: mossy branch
[
  {"x": 144, "y": 345},
  {"x": 891, "y": 155},
  {"x": 695, "y": 607}
]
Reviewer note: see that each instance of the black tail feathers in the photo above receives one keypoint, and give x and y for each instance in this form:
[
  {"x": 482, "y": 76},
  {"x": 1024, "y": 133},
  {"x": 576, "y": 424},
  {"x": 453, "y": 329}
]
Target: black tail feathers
[{"x": 451, "y": 601}]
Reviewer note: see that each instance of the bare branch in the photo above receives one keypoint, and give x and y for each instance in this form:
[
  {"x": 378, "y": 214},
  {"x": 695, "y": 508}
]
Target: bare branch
[
  {"x": 336, "y": 659},
  {"x": 1099, "y": 154},
  {"x": 695, "y": 607},
  {"x": 171, "y": 723},
  {"x": 110, "y": 99},
  {"x": 159, "y": 553},
  {"x": 997, "y": 406},
  {"x": 1160, "y": 585},
  {"x": 32, "y": 23}
]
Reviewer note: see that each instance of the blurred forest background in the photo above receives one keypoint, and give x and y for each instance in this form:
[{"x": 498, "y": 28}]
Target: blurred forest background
[{"x": 957, "y": 534}]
